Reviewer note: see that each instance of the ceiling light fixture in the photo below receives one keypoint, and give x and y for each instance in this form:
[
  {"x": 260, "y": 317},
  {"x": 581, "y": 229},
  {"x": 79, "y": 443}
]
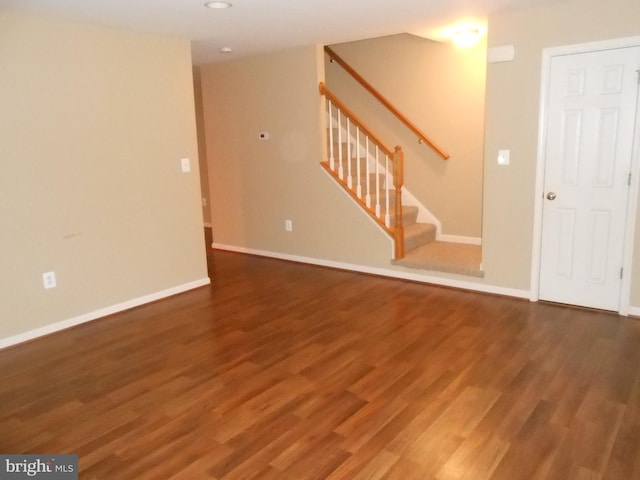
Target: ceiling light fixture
[
  {"x": 467, "y": 37},
  {"x": 218, "y": 5},
  {"x": 226, "y": 50}
]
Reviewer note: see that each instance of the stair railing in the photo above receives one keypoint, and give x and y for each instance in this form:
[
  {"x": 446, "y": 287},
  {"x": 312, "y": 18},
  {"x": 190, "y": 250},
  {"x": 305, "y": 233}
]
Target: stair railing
[
  {"x": 422, "y": 138},
  {"x": 354, "y": 145}
]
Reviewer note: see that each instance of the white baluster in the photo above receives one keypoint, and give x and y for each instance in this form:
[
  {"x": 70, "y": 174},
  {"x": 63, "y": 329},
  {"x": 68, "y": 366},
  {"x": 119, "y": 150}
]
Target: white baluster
[
  {"x": 349, "y": 155},
  {"x": 368, "y": 197},
  {"x": 387, "y": 216},
  {"x": 359, "y": 188},
  {"x": 377, "y": 184},
  {"x": 332, "y": 162},
  {"x": 340, "y": 171}
]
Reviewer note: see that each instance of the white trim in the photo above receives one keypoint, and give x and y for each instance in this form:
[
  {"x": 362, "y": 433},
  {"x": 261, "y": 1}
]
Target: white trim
[
  {"x": 596, "y": 46},
  {"x": 632, "y": 202},
  {"x": 634, "y": 311},
  {"x": 424, "y": 214},
  {"x": 539, "y": 179},
  {"x": 103, "y": 312},
  {"x": 459, "y": 239},
  {"x": 547, "y": 55},
  {"x": 414, "y": 277}
]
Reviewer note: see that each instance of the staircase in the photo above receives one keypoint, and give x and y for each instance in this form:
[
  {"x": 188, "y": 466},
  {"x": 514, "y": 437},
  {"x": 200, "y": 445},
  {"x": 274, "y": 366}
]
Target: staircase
[
  {"x": 373, "y": 175},
  {"x": 415, "y": 244},
  {"x": 415, "y": 234},
  {"x": 421, "y": 250}
]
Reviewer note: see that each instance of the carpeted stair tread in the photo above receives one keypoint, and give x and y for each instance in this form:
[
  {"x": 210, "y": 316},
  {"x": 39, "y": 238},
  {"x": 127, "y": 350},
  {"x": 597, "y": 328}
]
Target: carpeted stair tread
[
  {"x": 409, "y": 215},
  {"x": 418, "y": 234},
  {"x": 445, "y": 257}
]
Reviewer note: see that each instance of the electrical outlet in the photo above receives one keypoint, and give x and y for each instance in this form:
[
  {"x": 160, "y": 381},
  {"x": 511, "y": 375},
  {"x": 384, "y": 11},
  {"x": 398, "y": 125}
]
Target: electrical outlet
[
  {"x": 185, "y": 165},
  {"x": 288, "y": 225},
  {"x": 49, "y": 280},
  {"x": 503, "y": 157}
]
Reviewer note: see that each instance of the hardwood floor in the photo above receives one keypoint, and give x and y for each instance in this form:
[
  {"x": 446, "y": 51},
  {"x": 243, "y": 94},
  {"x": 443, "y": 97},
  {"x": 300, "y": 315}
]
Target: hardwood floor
[{"x": 287, "y": 371}]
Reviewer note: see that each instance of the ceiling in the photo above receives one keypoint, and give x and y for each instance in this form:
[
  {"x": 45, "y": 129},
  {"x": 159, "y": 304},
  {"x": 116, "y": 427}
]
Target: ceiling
[{"x": 253, "y": 27}]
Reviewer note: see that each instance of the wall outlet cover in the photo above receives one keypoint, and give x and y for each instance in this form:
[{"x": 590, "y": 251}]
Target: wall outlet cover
[{"x": 49, "y": 280}]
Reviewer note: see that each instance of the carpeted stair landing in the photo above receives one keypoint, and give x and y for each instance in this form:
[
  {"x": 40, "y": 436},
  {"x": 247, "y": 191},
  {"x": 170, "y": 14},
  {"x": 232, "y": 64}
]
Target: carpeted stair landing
[
  {"x": 444, "y": 257},
  {"x": 422, "y": 251}
]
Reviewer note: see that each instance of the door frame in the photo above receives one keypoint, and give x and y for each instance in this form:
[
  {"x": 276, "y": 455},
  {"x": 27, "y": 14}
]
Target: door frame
[{"x": 632, "y": 200}]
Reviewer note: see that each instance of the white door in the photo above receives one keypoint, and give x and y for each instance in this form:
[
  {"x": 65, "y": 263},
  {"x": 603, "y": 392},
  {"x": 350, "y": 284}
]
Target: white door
[{"x": 589, "y": 139}]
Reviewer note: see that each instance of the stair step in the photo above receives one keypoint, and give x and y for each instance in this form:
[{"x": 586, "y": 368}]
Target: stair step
[
  {"x": 415, "y": 234},
  {"x": 418, "y": 234},
  {"x": 409, "y": 215},
  {"x": 353, "y": 164},
  {"x": 373, "y": 191},
  {"x": 409, "y": 212},
  {"x": 345, "y": 152},
  {"x": 354, "y": 171},
  {"x": 444, "y": 257}
]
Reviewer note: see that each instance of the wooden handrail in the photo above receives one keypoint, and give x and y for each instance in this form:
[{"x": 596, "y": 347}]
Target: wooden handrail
[
  {"x": 422, "y": 138},
  {"x": 354, "y": 118}
]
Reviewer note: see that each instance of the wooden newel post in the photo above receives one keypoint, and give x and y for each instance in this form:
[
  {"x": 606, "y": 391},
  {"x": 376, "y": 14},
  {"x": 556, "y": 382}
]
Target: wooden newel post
[{"x": 398, "y": 181}]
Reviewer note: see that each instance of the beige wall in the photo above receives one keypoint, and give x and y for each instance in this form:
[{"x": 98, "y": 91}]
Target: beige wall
[
  {"x": 439, "y": 87},
  {"x": 513, "y": 93},
  {"x": 93, "y": 124},
  {"x": 256, "y": 185}
]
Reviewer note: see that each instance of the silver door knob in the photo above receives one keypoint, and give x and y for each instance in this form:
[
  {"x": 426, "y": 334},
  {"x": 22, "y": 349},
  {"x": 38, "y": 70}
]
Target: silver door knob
[{"x": 551, "y": 196}]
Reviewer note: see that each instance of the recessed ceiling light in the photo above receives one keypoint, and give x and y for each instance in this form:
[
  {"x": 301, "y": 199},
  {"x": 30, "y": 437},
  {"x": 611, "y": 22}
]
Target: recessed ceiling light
[
  {"x": 464, "y": 32},
  {"x": 467, "y": 37},
  {"x": 217, "y": 4},
  {"x": 226, "y": 50}
]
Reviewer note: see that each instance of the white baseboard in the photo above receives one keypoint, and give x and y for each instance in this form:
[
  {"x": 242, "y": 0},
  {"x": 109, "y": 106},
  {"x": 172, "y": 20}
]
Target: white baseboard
[
  {"x": 103, "y": 312},
  {"x": 415, "y": 277},
  {"x": 634, "y": 311},
  {"x": 459, "y": 239}
]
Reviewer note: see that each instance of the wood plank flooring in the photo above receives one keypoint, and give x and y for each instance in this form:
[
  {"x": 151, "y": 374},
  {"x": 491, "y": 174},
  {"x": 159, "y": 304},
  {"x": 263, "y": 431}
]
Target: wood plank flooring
[{"x": 287, "y": 371}]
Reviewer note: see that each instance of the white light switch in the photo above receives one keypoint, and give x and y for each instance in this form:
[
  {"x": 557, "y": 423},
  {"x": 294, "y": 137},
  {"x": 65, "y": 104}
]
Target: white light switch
[
  {"x": 185, "y": 163},
  {"x": 503, "y": 157}
]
